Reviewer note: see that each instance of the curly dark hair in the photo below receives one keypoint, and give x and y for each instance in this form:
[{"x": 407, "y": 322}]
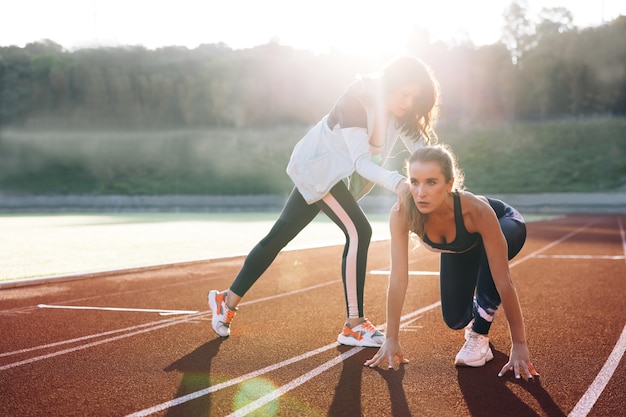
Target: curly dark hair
[{"x": 408, "y": 69}]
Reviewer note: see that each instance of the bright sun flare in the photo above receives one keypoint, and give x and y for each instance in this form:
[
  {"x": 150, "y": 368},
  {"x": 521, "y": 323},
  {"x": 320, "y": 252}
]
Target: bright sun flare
[
  {"x": 360, "y": 27},
  {"x": 352, "y": 26},
  {"x": 364, "y": 27}
]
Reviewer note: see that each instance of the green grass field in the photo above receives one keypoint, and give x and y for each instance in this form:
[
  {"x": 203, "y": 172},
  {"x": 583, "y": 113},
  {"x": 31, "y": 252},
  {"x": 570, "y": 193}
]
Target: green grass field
[{"x": 586, "y": 155}]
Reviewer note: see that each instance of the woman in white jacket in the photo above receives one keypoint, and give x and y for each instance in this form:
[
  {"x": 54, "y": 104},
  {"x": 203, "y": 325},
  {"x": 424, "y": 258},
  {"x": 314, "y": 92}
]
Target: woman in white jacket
[{"x": 332, "y": 167}]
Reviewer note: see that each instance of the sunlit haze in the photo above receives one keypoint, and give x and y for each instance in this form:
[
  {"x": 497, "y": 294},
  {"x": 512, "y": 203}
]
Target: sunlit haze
[{"x": 352, "y": 26}]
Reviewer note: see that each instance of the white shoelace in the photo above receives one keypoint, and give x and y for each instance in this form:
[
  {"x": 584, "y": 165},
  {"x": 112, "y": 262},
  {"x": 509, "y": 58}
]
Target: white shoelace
[{"x": 472, "y": 343}]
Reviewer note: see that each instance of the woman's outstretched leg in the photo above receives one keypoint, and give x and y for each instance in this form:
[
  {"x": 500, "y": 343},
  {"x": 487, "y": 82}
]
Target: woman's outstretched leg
[{"x": 296, "y": 214}]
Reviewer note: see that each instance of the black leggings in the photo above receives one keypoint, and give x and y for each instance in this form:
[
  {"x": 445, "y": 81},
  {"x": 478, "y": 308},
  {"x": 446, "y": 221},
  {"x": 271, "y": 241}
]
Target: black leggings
[
  {"x": 341, "y": 207},
  {"x": 463, "y": 275}
]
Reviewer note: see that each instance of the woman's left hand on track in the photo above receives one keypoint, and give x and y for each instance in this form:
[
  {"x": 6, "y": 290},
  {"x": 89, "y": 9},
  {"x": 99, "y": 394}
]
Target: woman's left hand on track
[{"x": 519, "y": 362}]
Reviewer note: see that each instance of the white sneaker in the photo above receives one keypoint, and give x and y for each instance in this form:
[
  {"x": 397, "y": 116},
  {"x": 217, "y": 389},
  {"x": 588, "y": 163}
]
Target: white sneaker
[
  {"x": 222, "y": 315},
  {"x": 475, "y": 352},
  {"x": 364, "y": 334}
]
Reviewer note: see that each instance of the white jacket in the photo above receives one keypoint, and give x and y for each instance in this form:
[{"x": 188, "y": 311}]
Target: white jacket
[{"x": 325, "y": 156}]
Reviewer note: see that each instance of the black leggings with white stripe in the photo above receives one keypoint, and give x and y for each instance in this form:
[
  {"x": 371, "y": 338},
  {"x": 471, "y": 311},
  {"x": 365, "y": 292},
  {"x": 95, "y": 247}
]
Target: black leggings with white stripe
[{"x": 341, "y": 207}]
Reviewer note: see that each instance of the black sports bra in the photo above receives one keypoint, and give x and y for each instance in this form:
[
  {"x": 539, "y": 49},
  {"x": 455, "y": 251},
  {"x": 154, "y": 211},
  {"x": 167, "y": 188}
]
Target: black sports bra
[{"x": 463, "y": 241}]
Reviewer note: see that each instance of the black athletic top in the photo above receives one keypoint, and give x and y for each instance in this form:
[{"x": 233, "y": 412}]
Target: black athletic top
[{"x": 465, "y": 240}]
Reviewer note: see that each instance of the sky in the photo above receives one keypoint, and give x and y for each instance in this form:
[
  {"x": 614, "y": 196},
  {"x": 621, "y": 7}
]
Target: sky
[{"x": 363, "y": 27}]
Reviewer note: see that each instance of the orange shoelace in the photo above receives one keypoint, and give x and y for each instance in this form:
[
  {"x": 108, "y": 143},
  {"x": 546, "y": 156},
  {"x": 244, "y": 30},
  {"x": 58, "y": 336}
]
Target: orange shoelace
[
  {"x": 230, "y": 314},
  {"x": 367, "y": 325}
]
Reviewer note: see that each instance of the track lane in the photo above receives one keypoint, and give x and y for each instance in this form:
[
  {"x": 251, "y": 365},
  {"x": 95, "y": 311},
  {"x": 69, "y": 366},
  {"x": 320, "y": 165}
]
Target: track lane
[{"x": 428, "y": 343}]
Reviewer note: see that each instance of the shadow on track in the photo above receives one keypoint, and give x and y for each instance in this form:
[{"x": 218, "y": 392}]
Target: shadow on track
[
  {"x": 347, "y": 398},
  {"x": 394, "y": 377},
  {"x": 196, "y": 370},
  {"x": 486, "y": 394}
]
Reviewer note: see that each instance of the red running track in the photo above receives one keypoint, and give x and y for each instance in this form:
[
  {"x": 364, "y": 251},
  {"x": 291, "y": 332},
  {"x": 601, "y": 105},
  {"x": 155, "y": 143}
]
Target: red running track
[{"x": 140, "y": 342}]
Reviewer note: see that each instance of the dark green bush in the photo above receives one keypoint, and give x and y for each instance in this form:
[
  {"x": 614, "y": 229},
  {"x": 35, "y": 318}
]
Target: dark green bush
[{"x": 559, "y": 156}]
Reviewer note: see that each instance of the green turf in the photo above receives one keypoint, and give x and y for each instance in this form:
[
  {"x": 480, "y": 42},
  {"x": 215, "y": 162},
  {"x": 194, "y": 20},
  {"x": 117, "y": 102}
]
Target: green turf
[{"x": 575, "y": 155}]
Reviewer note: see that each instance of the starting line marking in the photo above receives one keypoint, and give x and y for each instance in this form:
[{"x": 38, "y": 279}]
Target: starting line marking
[{"x": 140, "y": 310}]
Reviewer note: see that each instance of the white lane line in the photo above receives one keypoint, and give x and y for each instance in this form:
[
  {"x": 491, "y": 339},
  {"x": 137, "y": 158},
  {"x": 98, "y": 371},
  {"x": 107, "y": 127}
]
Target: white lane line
[
  {"x": 275, "y": 296},
  {"x": 333, "y": 344},
  {"x": 231, "y": 382},
  {"x": 140, "y": 310},
  {"x": 552, "y": 244},
  {"x": 586, "y": 402},
  {"x": 273, "y": 395},
  {"x": 197, "y": 394},
  {"x": 409, "y": 318},
  {"x": 608, "y": 257},
  {"x": 255, "y": 405},
  {"x": 97, "y": 297},
  {"x": 96, "y": 343},
  {"x": 80, "y": 339},
  {"x": 152, "y": 326}
]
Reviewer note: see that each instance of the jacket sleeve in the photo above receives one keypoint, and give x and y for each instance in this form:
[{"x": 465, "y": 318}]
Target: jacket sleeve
[{"x": 357, "y": 143}]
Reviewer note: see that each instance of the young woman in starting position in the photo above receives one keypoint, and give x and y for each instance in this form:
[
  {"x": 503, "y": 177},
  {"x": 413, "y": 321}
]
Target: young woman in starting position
[{"x": 476, "y": 237}]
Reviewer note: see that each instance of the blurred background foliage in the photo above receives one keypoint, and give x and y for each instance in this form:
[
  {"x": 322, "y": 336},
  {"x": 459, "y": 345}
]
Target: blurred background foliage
[{"x": 542, "y": 110}]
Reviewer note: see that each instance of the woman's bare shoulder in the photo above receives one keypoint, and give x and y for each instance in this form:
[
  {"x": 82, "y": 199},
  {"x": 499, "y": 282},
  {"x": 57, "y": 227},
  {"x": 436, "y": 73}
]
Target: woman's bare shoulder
[
  {"x": 475, "y": 208},
  {"x": 473, "y": 201}
]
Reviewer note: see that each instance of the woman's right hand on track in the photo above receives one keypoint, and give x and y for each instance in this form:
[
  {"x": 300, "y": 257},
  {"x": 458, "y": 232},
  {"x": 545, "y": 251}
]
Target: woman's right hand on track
[{"x": 389, "y": 351}]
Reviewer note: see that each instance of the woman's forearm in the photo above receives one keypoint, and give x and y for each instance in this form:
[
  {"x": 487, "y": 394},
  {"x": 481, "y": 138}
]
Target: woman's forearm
[
  {"x": 395, "y": 300},
  {"x": 399, "y": 275},
  {"x": 513, "y": 311}
]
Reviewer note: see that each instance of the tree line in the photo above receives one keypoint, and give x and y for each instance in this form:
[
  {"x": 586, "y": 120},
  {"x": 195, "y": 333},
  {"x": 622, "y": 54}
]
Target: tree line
[{"x": 541, "y": 69}]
